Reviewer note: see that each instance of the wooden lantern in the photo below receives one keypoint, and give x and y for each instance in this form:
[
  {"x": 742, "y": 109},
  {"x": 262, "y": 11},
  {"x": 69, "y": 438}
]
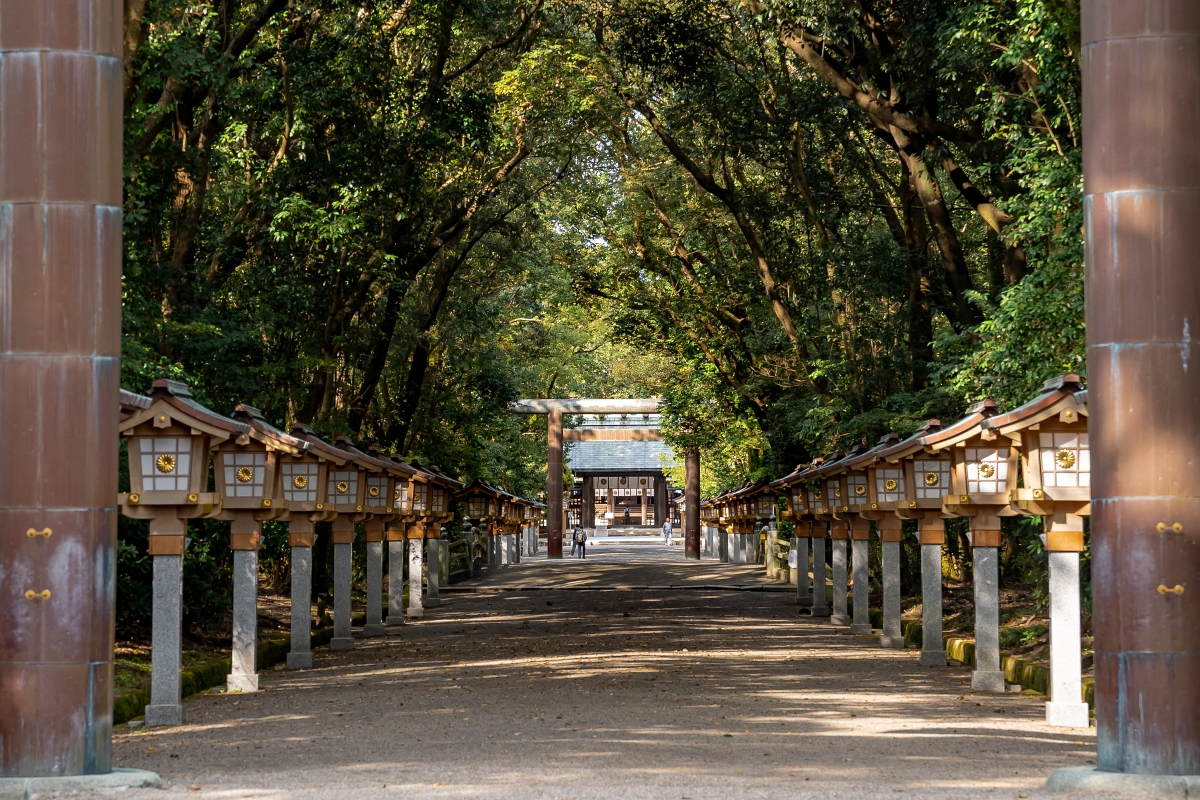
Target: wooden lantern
[
  {"x": 983, "y": 466},
  {"x": 911, "y": 477},
  {"x": 1051, "y": 431},
  {"x": 169, "y": 441},
  {"x": 305, "y": 476}
]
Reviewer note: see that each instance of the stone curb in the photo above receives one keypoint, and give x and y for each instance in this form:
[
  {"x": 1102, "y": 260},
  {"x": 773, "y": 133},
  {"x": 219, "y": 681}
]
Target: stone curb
[
  {"x": 616, "y": 588},
  {"x": 1091, "y": 779},
  {"x": 119, "y": 778}
]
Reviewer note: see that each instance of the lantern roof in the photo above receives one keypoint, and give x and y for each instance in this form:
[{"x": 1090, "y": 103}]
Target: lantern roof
[
  {"x": 393, "y": 462},
  {"x": 480, "y": 486},
  {"x": 1058, "y": 396},
  {"x": 318, "y": 446},
  {"x": 267, "y": 433},
  {"x": 848, "y": 462},
  {"x": 791, "y": 478},
  {"x": 437, "y": 476},
  {"x": 361, "y": 459},
  {"x": 132, "y": 402},
  {"x": 913, "y": 444},
  {"x": 176, "y": 396},
  {"x": 966, "y": 428},
  {"x": 400, "y": 464},
  {"x": 749, "y": 489}
]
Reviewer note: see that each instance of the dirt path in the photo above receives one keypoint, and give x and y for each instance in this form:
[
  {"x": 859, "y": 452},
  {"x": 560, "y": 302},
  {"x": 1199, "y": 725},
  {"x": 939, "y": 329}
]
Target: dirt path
[{"x": 609, "y": 694}]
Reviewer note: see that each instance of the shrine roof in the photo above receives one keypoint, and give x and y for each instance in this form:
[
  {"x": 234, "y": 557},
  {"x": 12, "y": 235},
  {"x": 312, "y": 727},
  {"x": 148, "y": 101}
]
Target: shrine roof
[{"x": 620, "y": 456}]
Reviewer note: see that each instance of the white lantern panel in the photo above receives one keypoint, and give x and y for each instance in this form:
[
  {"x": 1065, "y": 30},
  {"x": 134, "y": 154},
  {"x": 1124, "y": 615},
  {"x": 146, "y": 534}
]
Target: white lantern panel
[
  {"x": 343, "y": 486},
  {"x": 300, "y": 483},
  {"x": 857, "y": 486},
  {"x": 1066, "y": 460},
  {"x": 166, "y": 463},
  {"x": 932, "y": 478},
  {"x": 244, "y": 474},
  {"x": 813, "y": 500},
  {"x": 889, "y": 485},
  {"x": 987, "y": 470},
  {"x": 377, "y": 495},
  {"x": 833, "y": 493},
  {"x": 400, "y": 493}
]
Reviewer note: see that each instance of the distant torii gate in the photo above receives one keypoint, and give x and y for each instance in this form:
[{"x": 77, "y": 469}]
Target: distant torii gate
[{"x": 555, "y": 409}]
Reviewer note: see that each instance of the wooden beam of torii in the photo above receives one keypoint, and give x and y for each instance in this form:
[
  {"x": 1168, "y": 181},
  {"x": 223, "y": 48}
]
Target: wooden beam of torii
[{"x": 555, "y": 409}]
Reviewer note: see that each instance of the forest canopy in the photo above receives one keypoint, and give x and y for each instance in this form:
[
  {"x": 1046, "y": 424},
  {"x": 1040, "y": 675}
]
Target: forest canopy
[{"x": 804, "y": 224}]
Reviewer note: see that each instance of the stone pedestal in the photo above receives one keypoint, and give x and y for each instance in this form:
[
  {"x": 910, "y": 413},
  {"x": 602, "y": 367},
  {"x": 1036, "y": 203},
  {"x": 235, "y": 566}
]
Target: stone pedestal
[
  {"x": 804, "y": 594},
  {"x": 373, "y": 624},
  {"x": 243, "y": 676},
  {"x": 933, "y": 651},
  {"x": 862, "y": 615},
  {"x": 820, "y": 600},
  {"x": 434, "y": 554},
  {"x": 416, "y": 606},
  {"x": 1066, "y": 708},
  {"x": 840, "y": 615},
  {"x": 395, "y": 612},
  {"x": 300, "y": 655},
  {"x": 723, "y": 546},
  {"x": 892, "y": 636},
  {"x": 987, "y": 676},
  {"x": 342, "y": 639},
  {"x": 166, "y": 642}
]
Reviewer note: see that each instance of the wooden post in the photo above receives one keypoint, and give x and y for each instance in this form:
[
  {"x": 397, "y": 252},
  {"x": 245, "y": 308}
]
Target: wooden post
[
  {"x": 691, "y": 504},
  {"x": 587, "y": 505},
  {"x": 554, "y": 484},
  {"x": 1141, "y": 193},
  {"x": 60, "y": 345}
]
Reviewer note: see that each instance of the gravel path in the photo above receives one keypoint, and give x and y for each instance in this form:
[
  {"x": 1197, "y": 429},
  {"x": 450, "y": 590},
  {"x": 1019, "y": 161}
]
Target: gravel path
[{"x": 609, "y": 694}]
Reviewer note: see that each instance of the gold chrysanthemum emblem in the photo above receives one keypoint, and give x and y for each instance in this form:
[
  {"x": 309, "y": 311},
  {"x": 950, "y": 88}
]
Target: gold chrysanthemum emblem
[{"x": 165, "y": 463}]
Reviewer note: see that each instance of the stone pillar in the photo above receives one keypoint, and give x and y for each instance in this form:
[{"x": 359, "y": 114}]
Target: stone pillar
[
  {"x": 503, "y": 550},
  {"x": 301, "y": 538},
  {"x": 891, "y": 532},
  {"x": 395, "y": 542},
  {"x": 860, "y": 542},
  {"x": 645, "y": 506},
  {"x": 1141, "y": 193},
  {"x": 804, "y": 593},
  {"x": 60, "y": 346},
  {"x": 1064, "y": 540},
  {"x": 433, "y": 547},
  {"x": 373, "y": 624},
  {"x": 243, "y": 675},
  {"x": 933, "y": 536},
  {"x": 166, "y": 635},
  {"x": 838, "y": 536},
  {"x": 985, "y": 548},
  {"x": 723, "y": 543},
  {"x": 416, "y": 608},
  {"x": 343, "y": 544},
  {"x": 820, "y": 601},
  {"x": 554, "y": 484}
]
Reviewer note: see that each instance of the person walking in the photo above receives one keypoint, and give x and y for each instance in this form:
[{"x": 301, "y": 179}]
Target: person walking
[
  {"x": 579, "y": 540},
  {"x": 667, "y": 529}
]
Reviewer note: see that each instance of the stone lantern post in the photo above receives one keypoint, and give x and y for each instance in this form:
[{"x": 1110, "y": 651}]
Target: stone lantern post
[
  {"x": 980, "y": 468},
  {"x": 169, "y": 442},
  {"x": 846, "y": 494},
  {"x": 891, "y": 533},
  {"x": 796, "y": 511},
  {"x": 403, "y": 493},
  {"x": 250, "y": 485},
  {"x": 1051, "y": 431},
  {"x": 305, "y": 480},
  {"x": 378, "y": 504},
  {"x": 891, "y": 488}
]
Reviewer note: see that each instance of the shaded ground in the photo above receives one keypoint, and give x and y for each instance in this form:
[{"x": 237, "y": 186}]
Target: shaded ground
[{"x": 605, "y": 693}]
